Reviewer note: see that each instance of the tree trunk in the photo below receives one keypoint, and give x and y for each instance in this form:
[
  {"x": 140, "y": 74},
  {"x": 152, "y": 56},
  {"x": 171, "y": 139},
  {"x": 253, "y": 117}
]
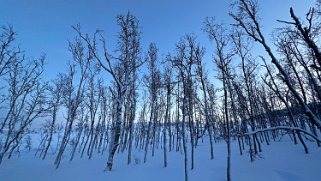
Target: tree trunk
[{"x": 116, "y": 134}]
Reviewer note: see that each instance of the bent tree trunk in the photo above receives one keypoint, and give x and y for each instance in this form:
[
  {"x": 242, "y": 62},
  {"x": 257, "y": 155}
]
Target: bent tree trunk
[{"x": 285, "y": 128}]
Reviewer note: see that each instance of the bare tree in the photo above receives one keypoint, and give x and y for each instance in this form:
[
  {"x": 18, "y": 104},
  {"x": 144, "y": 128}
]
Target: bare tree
[
  {"x": 8, "y": 53},
  {"x": 105, "y": 114},
  {"x": 120, "y": 68},
  {"x": 56, "y": 94},
  {"x": 73, "y": 91},
  {"x": 80, "y": 128},
  {"x": 248, "y": 66},
  {"x": 167, "y": 122},
  {"x": 203, "y": 78},
  {"x": 153, "y": 81},
  {"x": 22, "y": 98},
  {"x": 184, "y": 62},
  {"x": 93, "y": 96},
  {"x": 25, "y": 101},
  {"x": 222, "y": 59},
  {"x": 273, "y": 86},
  {"x": 246, "y": 18}
]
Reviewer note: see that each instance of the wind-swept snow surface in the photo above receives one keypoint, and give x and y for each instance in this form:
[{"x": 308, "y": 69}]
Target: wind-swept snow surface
[{"x": 281, "y": 161}]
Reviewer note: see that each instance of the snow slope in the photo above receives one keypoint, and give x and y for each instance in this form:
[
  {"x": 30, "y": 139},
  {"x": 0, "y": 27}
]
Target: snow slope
[{"x": 283, "y": 161}]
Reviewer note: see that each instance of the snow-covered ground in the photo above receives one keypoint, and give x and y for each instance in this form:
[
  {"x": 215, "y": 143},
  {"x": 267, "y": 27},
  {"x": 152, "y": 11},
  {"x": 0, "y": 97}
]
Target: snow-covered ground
[{"x": 283, "y": 161}]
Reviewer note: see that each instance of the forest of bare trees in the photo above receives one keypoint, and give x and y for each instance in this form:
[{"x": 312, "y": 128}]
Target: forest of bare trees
[{"x": 114, "y": 101}]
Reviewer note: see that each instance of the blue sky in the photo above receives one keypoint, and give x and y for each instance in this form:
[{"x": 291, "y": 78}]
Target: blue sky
[{"x": 44, "y": 26}]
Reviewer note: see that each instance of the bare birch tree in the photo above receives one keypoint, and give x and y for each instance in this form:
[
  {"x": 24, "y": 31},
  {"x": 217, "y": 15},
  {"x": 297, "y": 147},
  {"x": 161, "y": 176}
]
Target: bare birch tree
[
  {"x": 246, "y": 18},
  {"x": 184, "y": 62},
  {"x": 222, "y": 59},
  {"x": 56, "y": 91},
  {"x": 120, "y": 68},
  {"x": 25, "y": 100},
  {"x": 153, "y": 83},
  {"x": 167, "y": 122},
  {"x": 73, "y": 90}
]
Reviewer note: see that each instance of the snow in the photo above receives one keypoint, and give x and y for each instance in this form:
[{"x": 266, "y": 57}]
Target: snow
[{"x": 282, "y": 161}]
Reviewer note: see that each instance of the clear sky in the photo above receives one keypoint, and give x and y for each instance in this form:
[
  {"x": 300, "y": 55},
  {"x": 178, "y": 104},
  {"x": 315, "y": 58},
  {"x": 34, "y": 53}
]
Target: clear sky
[{"x": 44, "y": 26}]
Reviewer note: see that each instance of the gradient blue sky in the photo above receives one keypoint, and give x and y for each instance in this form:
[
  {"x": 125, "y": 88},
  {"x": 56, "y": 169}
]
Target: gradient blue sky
[{"x": 44, "y": 26}]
